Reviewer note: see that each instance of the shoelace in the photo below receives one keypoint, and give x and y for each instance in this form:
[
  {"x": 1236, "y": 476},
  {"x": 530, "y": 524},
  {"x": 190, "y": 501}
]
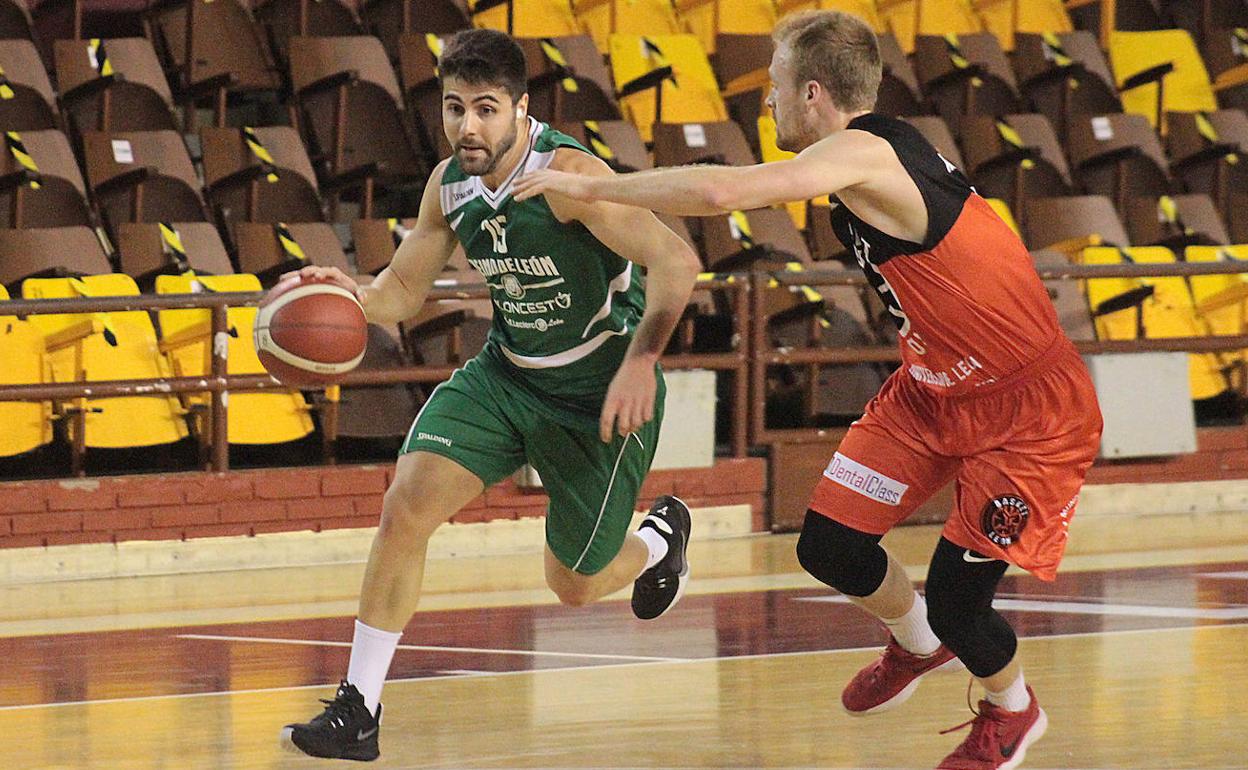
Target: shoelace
[
  {"x": 336, "y": 710},
  {"x": 980, "y": 741}
]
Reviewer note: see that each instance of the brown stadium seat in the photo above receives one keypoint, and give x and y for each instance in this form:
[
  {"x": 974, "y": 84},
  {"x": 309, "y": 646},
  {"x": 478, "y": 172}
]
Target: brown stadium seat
[
  {"x": 1068, "y": 225},
  {"x": 615, "y": 141},
  {"x": 450, "y": 331},
  {"x": 1119, "y": 156},
  {"x": 1129, "y": 15},
  {"x": 899, "y": 87},
  {"x": 1068, "y": 299},
  {"x": 282, "y": 19},
  {"x": 228, "y": 54},
  {"x": 113, "y": 85},
  {"x": 375, "y": 241},
  {"x": 965, "y": 75},
  {"x": 142, "y": 176},
  {"x": 378, "y": 413},
  {"x": 1207, "y": 151},
  {"x": 27, "y": 102},
  {"x": 1014, "y": 157},
  {"x": 50, "y": 251},
  {"x": 389, "y": 20},
  {"x": 679, "y": 144},
  {"x": 742, "y": 74},
  {"x": 268, "y": 250},
  {"x": 40, "y": 185},
  {"x": 936, "y": 131},
  {"x": 1225, "y": 51},
  {"x": 910, "y": 18},
  {"x": 145, "y": 250},
  {"x": 418, "y": 72},
  {"x": 15, "y": 22},
  {"x": 1065, "y": 75},
  {"x": 568, "y": 80},
  {"x": 351, "y": 110},
  {"x": 1175, "y": 221}
]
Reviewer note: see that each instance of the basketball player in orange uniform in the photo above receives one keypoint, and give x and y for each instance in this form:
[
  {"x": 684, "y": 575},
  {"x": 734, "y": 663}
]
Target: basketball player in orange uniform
[{"x": 990, "y": 391}]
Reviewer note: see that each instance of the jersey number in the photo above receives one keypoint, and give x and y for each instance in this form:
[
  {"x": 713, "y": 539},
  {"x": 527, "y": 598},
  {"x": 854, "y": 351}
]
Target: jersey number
[
  {"x": 496, "y": 228},
  {"x": 862, "y": 252}
]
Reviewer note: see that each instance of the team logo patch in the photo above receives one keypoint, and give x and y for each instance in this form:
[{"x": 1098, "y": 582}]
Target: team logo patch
[
  {"x": 1004, "y": 518},
  {"x": 513, "y": 287}
]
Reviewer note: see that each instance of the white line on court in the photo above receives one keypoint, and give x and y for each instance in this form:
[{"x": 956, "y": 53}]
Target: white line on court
[
  {"x": 1091, "y": 608},
  {"x": 659, "y": 662}
]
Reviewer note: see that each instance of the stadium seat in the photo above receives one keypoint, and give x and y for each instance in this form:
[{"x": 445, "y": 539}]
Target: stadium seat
[
  {"x": 268, "y": 250},
  {"x": 680, "y": 144},
  {"x": 823, "y": 242},
  {"x": 27, "y": 102},
  {"x": 1225, "y": 50},
  {"x": 863, "y": 9},
  {"x": 1068, "y": 298},
  {"x": 351, "y": 110},
  {"x": 113, "y": 85},
  {"x": 1174, "y": 221},
  {"x": 1130, "y": 15},
  {"x": 603, "y": 19},
  {"x": 94, "y": 347},
  {"x": 708, "y": 19},
  {"x": 615, "y": 141},
  {"x": 378, "y": 413},
  {"x": 280, "y": 20},
  {"x": 265, "y": 417},
  {"x": 1119, "y": 156},
  {"x": 1068, "y": 225},
  {"x": 744, "y": 80},
  {"x": 936, "y": 131},
  {"x": 27, "y": 424},
  {"x": 389, "y": 20},
  {"x": 49, "y": 251},
  {"x": 568, "y": 80},
  {"x": 15, "y": 22},
  {"x": 40, "y": 185},
  {"x": 1014, "y": 157},
  {"x": 418, "y": 54},
  {"x": 666, "y": 79},
  {"x": 1160, "y": 71},
  {"x": 142, "y": 176},
  {"x": 965, "y": 75},
  {"x": 375, "y": 241},
  {"x": 1222, "y": 300},
  {"x": 145, "y": 250},
  {"x": 1006, "y": 18},
  {"x": 1207, "y": 152},
  {"x": 1152, "y": 308},
  {"x": 907, "y": 19},
  {"x": 899, "y": 92},
  {"x": 1065, "y": 75},
  {"x": 525, "y": 18}
]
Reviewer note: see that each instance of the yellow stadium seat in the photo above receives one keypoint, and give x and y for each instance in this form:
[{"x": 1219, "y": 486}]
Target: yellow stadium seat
[
  {"x": 267, "y": 417},
  {"x": 27, "y": 425},
  {"x": 531, "y": 18},
  {"x": 907, "y": 19},
  {"x": 604, "y": 18},
  {"x": 1221, "y": 300},
  {"x": 1003, "y": 210},
  {"x": 1167, "y": 307},
  {"x": 863, "y": 9},
  {"x": 1005, "y": 17},
  {"x": 690, "y": 95},
  {"x": 772, "y": 153},
  {"x": 708, "y": 18},
  {"x": 94, "y": 347},
  {"x": 1186, "y": 88}
]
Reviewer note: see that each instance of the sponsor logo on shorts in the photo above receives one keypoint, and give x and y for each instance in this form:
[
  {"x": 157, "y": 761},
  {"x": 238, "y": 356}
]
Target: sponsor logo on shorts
[
  {"x": 422, "y": 436},
  {"x": 1004, "y": 518},
  {"x": 865, "y": 481}
]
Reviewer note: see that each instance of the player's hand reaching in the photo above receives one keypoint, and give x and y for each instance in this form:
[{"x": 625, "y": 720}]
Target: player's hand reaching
[
  {"x": 575, "y": 186},
  {"x": 330, "y": 274},
  {"x": 630, "y": 398}
]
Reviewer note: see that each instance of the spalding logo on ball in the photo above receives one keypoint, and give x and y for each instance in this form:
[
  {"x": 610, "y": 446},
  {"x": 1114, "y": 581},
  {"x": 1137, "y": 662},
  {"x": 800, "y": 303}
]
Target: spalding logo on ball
[{"x": 310, "y": 332}]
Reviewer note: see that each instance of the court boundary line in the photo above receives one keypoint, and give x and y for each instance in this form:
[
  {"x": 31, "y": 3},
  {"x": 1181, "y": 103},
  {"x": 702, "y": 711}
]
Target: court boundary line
[{"x": 636, "y": 664}]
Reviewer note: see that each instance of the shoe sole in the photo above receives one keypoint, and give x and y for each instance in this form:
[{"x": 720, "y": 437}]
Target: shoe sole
[
  {"x": 953, "y": 664},
  {"x": 1031, "y": 736},
  {"x": 286, "y": 740}
]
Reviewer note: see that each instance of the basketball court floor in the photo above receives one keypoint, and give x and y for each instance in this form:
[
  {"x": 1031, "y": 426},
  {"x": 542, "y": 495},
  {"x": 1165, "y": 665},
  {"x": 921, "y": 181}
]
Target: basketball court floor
[{"x": 1140, "y": 658}]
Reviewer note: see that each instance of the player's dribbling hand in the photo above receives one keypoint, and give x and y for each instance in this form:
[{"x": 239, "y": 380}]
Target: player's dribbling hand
[
  {"x": 331, "y": 274},
  {"x": 546, "y": 180},
  {"x": 630, "y": 398}
]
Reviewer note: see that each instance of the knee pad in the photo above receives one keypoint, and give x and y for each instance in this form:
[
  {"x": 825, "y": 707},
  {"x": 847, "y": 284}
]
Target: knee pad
[
  {"x": 959, "y": 609},
  {"x": 844, "y": 558}
]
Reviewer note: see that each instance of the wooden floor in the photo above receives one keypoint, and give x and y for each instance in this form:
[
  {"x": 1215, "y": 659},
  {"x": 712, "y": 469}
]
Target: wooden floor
[{"x": 1140, "y": 659}]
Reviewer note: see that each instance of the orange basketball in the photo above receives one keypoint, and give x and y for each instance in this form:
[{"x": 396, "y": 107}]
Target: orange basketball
[{"x": 308, "y": 332}]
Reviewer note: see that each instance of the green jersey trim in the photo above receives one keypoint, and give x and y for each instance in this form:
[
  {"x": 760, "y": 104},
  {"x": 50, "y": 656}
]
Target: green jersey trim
[{"x": 569, "y": 356}]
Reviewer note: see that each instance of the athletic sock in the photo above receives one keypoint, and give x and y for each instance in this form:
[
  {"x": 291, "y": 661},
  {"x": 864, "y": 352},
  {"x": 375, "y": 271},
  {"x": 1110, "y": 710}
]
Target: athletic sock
[
  {"x": 1012, "y": 698},
  {"x": 655, "y": 543},
  {"x": 371, "y": 651},
  {"x": 912, "y": 631}
]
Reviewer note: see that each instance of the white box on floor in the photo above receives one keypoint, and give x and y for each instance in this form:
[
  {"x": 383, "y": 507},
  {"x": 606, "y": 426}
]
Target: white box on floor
[
  {"x": 1146, "y": 402},
  {"x": 687, "y": 439}
]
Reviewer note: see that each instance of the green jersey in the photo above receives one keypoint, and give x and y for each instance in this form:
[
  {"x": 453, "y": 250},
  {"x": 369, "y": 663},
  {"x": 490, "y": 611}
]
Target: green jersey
[{"x": 565, "y": 306}]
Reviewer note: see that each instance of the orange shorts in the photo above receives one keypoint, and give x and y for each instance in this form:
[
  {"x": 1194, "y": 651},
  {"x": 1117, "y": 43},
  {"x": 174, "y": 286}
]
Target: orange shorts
[{"x": 1018, "y": 449}]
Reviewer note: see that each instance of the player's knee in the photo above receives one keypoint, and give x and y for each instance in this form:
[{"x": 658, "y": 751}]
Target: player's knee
[
  {"x": 405, "y": 509},
  {"x": 572, "y": 589},
  {"x": 959, "y": 610},
  {"x": 844, "y": 558}
]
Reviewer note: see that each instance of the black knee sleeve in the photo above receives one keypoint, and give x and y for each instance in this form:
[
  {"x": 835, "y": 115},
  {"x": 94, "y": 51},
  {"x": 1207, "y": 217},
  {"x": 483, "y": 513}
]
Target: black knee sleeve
[
  {"x": 850, "y": 561},
  {"x": 959, "y": 609}
]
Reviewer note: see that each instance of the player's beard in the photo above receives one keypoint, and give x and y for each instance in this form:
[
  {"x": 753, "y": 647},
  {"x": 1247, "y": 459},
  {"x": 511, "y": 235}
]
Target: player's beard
[{"x": 486, "y": 165}]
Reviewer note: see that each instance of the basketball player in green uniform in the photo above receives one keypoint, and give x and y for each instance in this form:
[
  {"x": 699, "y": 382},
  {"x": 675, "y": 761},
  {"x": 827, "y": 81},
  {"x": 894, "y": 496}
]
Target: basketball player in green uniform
[{"x": 568, "y": 379}]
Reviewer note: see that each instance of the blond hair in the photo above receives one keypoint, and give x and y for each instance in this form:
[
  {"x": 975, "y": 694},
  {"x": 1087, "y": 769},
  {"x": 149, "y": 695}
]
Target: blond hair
[{"x": 837, "y": 50}]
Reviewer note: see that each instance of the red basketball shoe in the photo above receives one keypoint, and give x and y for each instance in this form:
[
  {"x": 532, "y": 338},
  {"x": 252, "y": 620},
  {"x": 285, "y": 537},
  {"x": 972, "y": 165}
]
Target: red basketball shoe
[
  {"x": 893, "y": 678},
  {"x": 998, "y": 739}
]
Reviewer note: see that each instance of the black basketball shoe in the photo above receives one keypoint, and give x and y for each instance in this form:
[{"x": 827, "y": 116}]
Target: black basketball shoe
[
  {"x": 344, "y": 730},
  {"x": 658, "y": 589}
]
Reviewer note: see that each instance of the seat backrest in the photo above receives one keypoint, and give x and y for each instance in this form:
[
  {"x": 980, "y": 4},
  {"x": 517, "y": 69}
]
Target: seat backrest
[
  {"x": 26, "y": 425},
  {"x": 376, "y": 240},
  {"x": 628, "y": 17},
  {"x": 225, "y": 40},
  {"x": 328, "y": 18},
  {"x": 1191, "y": 132},
  {"x": 50, "y": 152},
  {"x": 1093, "y": 137},
  {"x": 530, "y": 18},
  {"x": 145, "y": 248},
  {"x": 1153, "y": 220},
  {"x": 73, "y": 250},
  {"x": 615, "y": 141},
  {"x": 266, "y": 250},
  {"x": 131, "y": 58},
  {"x": 910, "y": 18},
  {"x": 726, "y": 235},
  {"x": 685, "y": 143},
  {"x": 985, "y": 140},
  {"x": 936, "y": 56},
  {"x": 1052, "y": 220},
  {"x": 242, "y": 352},
  {"x": 693, "y": 97},
  {"x": 110, "y": 154},
  {"x": 729, "y": 17},
  {"x": 1005, "y": 18},
  {"x": 313, "y": 58},
  {"x": 31, "y": 103},
  {"x": 936, "y": 132},
  {"x": 568, "y": 79},
  {"x": 1187, "y": 88},
  {"x": 1230, "y": 317},
  {"x": 229, "y": 150}
]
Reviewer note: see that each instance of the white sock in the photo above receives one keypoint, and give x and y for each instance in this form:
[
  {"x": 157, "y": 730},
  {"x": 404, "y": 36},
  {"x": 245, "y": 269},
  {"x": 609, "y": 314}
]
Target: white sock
[
  {"x": 371, "y": 651},
  {"x": 1012, "y": 698},
  {"x": 655, "y": 543},
  {"x": 912, "y": 631}
]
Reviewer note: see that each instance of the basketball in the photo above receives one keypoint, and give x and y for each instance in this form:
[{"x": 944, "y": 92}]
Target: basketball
[{"x": 309, "y": 332}]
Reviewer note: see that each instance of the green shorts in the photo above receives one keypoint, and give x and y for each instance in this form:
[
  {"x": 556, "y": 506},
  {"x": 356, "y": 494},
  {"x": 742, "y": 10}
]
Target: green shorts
[{"x": 486, "y": 421}]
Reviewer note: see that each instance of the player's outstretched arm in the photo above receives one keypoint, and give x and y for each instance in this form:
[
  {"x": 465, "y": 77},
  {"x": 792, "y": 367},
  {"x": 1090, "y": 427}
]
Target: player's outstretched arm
[
  {"x": 839, "y": 161},
  {"x": 399, "y": 291},
  {"x": 671, "y": 270}
]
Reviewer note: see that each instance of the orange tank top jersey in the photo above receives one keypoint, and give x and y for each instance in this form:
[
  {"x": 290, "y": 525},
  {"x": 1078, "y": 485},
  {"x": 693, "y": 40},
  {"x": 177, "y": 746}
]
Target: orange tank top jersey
[{"x": 967, "y": 302}]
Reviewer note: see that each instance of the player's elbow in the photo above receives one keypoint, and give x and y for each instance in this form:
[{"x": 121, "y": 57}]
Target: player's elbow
[{"x": 720, "y": 196}]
